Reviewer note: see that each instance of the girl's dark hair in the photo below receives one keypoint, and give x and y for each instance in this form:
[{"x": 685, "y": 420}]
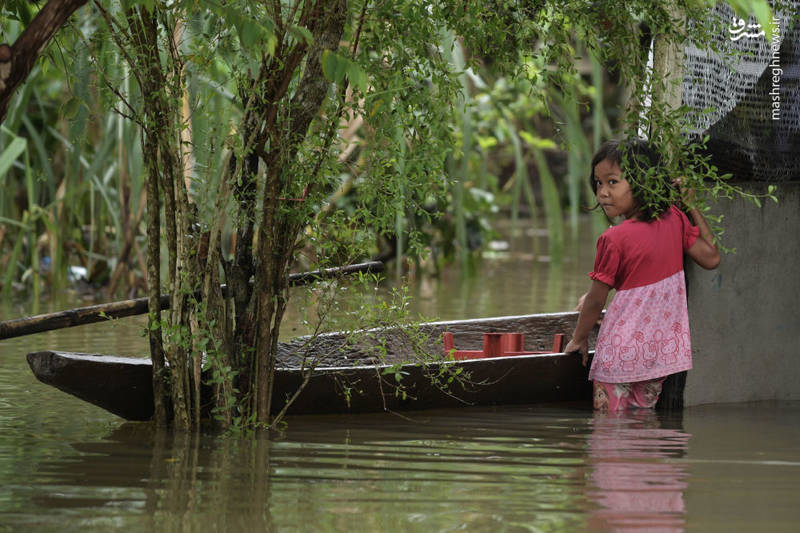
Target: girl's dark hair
[{"x": 638, "y": 160}]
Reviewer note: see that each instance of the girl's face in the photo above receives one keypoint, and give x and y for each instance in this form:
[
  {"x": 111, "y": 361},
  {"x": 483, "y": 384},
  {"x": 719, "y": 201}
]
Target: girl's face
[{"x": 613, "y": 191}]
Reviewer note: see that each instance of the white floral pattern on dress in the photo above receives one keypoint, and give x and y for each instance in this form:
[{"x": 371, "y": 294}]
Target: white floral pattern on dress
[{"x": 645, "y": 334}]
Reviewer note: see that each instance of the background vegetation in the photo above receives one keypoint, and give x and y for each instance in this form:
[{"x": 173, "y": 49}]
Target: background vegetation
[{"x": 72, "y": 173}]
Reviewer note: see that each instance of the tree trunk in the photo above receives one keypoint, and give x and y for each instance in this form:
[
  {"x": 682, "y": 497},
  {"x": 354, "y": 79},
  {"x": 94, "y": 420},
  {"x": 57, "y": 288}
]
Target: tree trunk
[
  {"x": 160, "y": 391},
  {"x": 162, "y": 155},
  {"x": 277, "y": 232}
]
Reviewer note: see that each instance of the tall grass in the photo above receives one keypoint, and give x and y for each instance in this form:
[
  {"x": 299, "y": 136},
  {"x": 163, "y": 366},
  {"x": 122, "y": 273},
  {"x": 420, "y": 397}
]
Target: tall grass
[
  {"x": 521, "y": 180},
  {"x": 13, "y": 230},
  {"x": 71, "y": 167},
  {"x": 551, "y": 198},
  {"x": 460, "y": 174}
]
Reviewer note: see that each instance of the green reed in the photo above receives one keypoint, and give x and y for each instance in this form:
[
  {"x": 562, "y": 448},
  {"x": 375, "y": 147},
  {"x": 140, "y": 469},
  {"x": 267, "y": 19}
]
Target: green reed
[
  {"x": 459, "y": 175},
  {"x": 72, "y": 172}
]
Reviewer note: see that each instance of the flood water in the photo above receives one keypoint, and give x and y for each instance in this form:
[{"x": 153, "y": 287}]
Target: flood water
[{"x": 68, "y": 466}]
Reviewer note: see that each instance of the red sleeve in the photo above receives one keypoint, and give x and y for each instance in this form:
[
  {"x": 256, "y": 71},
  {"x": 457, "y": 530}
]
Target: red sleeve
[
  {"x": 606, "y": 262},
  {"x": 690, "y": 233}
]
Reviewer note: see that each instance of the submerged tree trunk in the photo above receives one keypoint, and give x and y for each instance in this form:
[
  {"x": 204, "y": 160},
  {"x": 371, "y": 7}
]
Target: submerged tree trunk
[
  {"x": 160, "y": 390},
  {"x": 143, "y": 53},
  {"x": 286, "y": 128},
  {"x": 160, "y": 82}
]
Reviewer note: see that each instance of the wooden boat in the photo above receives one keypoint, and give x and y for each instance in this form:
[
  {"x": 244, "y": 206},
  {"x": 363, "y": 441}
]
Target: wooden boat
[{"x": 355, "y": 383}]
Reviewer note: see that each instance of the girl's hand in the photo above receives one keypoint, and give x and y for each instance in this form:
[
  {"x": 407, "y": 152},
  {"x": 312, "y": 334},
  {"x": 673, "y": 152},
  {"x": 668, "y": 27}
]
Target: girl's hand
[
  {"x": 704, "y": 251},
  {"x": 687, "y": 194},
  {"x": 582, "y": 348},
  {"x": 591, "y": 309}
]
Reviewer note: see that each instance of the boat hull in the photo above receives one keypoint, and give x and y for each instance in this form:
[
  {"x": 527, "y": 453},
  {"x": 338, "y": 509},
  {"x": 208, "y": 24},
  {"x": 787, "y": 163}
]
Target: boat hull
[{"x": 123, "y": 385}]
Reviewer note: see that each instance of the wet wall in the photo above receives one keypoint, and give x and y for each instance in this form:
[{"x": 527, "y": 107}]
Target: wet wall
[{"x": 745, "y": 315}]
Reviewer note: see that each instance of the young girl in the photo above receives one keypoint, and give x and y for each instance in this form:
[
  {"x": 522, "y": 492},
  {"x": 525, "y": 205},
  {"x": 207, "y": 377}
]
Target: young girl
[{"x": 644, "y": 336}]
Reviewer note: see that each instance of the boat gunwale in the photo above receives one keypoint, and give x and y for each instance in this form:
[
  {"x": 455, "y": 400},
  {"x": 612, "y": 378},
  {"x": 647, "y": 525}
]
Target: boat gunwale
[
  {"x": 145, "y": 361},
  {"x": 457, "y": 322}
]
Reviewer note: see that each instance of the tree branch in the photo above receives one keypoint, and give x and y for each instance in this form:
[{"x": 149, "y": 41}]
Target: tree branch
[{"x": 16, "y": 62}]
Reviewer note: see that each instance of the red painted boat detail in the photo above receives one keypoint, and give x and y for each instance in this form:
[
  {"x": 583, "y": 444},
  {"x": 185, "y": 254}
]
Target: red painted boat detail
[{"x": 497, "y": 345}]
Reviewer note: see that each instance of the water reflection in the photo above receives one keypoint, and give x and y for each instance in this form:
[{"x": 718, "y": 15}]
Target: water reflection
[
  {"x": 526, "y": 468},
  {"x": 158, "y": 481},
  {"x": 635, "y": 480},
  {"x": 474, "y": 469}
]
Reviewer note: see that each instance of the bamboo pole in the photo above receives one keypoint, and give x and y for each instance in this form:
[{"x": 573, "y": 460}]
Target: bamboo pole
[{"x": 98, "y": 313}]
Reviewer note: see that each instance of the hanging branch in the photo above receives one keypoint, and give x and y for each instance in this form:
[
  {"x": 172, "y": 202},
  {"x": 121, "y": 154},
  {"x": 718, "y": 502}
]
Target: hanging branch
[{"x": 17, "y": 60}]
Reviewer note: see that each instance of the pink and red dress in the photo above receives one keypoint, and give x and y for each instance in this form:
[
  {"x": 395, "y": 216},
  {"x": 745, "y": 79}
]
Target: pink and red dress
[{"x": 645, "y": 333}]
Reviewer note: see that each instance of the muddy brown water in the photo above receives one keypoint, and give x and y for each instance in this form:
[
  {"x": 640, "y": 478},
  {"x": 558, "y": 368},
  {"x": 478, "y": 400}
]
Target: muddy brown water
[{"x": 68, "y": 466}]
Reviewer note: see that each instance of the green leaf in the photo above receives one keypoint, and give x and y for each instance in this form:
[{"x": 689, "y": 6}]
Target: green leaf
[
  {"x": 301, "y": 34},
  {"x": 253, "y": 33},
  {"x": 10, "y": 154},
  {"x": 12, "y": 222},
  {"x": 148, "y": 5},
  {"x": 72, "y": 107},
  {"x": 763, "y": 14},
  {"x": 536, "y": 142},
  {"x": 328, "y": 61},
  {"x": 334, "y": 66},
  {"x": 357, "y": 76},
  {"x": 26, "y": 15},
  {"x": 486, "y": 142}
]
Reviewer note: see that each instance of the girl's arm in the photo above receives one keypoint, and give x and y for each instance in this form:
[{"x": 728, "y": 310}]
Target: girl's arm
[
  {"x": 704, "y": 252},
  {"x": 593, "y": 303}
]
